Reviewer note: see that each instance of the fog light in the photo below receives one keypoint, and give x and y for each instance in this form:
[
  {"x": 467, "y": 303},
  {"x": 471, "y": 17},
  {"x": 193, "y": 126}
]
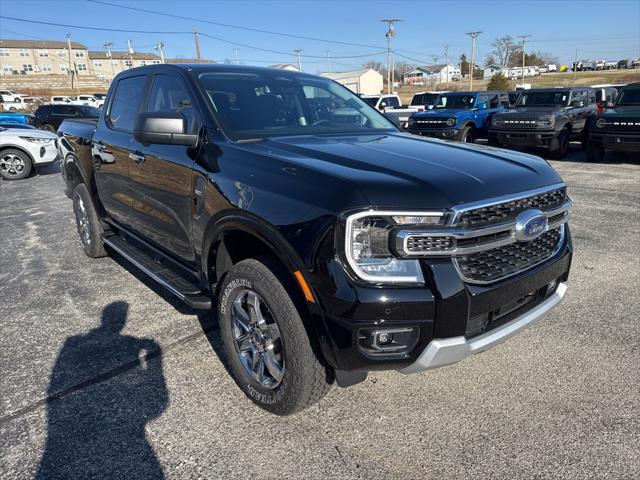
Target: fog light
[
  {"x": 385, "y": 338},
  {"x": 387, "y": 341},
  {"x": 551, "y": 287}
]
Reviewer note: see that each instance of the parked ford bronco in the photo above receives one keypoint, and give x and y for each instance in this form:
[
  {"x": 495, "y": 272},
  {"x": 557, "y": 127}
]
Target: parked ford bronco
[
  {"x": 548, "y": 118},
  {"x": 328, "y": 242},
  {"x": 618, "y": 126},
  {"x": 462, "y": 116}
]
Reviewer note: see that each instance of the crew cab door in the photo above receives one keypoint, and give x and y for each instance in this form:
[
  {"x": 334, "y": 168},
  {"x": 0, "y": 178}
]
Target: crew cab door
[
  {"x": 488, "y": 105},
  {"x": 582, "y": 105},
  {"x": 161, "y": 175},
  {"x": 110, "y": 147}
]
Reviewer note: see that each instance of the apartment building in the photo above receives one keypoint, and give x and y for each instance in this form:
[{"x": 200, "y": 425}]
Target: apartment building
[
  {"x": 106, "y": 65},
  {"x": 33, "y": 57}
]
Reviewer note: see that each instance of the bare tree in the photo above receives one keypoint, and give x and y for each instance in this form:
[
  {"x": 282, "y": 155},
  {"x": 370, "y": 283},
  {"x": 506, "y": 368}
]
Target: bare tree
[
  {"x": 502, "y": 49},
  {"x": 377, "y": 66}
]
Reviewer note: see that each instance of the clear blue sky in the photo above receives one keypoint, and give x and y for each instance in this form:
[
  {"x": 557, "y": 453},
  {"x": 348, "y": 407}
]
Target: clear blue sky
[{"x": 599, "y": 29}]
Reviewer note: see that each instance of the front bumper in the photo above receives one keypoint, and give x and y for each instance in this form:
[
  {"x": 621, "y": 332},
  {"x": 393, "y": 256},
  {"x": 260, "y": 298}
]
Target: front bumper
[
  {"x": 44, "y": 154},
  {"x": 623, "y": 142},
  {"x": 447, "y": 351},
  {"x": 523, "y": 138},
  {"x": 448, "y": 133}
]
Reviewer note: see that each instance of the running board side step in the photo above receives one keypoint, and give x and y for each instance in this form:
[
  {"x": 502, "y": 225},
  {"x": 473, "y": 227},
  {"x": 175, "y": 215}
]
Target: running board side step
[{"x": 186, "y": 290}]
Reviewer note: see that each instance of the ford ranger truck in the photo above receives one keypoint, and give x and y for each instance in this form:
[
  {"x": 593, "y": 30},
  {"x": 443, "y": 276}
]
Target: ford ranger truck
[
  {"x": 461, "y": 116},
  {"x": 550, "y": 118},
  {"x": 617, "y": 127},
  {"x": 327, "y": 242}
]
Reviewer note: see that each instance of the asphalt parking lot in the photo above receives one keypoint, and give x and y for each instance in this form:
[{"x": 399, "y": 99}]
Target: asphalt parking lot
[{"x": 104, "y": 375}]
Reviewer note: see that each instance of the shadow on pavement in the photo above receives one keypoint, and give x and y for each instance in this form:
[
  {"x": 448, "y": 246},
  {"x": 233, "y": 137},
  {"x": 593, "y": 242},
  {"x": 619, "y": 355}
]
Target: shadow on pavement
[{"x": 96, "y": 413}]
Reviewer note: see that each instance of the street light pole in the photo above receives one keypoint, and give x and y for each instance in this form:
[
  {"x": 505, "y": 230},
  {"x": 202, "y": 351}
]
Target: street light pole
[
  {"x": 298, "y": 52},
  {"x": 159, "y": 47},
  {"x": 473, "y": 36},
  {"x": 108, "y": 46},
  {"x": 524, "y": 38},
  {"x": 390, "y": 34}
]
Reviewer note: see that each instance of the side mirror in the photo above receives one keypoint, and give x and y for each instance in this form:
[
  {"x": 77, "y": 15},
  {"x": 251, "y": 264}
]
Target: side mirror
[
  {"x": 577, "y": 104},
  {"x": 604, "y": 104},
  {"x": 166, "y": 128},
  {"x": 482, "y": 106},
  {"x": 393, "y": 118},
  {"x": 382, "y": 105}
]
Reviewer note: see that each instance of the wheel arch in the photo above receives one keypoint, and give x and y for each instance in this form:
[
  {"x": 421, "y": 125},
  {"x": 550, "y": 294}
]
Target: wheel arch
[{"x": 12, "y": 146}]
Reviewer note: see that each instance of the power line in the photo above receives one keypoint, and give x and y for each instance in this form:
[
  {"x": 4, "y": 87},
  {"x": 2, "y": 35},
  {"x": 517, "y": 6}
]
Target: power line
[{"x": 227, "y": 25}]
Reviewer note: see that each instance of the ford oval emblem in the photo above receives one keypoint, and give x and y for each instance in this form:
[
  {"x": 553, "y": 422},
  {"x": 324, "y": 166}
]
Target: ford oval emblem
[{"x": 530, "y": 224}]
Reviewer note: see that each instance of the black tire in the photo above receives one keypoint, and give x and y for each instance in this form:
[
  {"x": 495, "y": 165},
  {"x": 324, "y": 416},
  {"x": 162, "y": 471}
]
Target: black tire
[
  {"x": 87, "y": 221},
  {"x": 48, "y": 127},
  {"x": 594, "y": 152},
  {"x": 466, "y": 135},
  {"x": 14, "y": 164},
  {"x": 304, "y": 380},
  {"x": 560, "y": 145}
]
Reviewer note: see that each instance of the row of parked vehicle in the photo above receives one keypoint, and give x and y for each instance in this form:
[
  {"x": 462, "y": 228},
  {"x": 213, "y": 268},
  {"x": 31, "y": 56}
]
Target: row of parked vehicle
[
  {"x": 549, "y": 117},
  {"x": 592, "y": 65},
  {"x": 12, "y": 101}
]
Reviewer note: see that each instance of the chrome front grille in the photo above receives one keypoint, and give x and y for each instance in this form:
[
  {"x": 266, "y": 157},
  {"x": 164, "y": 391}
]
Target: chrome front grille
[
  {"x": 506, "y": 211},
  {"x": 485, "y": 240},
  {"x": 502, "y": 262}
]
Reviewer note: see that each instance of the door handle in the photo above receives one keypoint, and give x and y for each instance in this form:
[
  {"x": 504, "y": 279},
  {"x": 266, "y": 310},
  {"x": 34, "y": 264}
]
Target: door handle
[{"x": 137, "y": 158}]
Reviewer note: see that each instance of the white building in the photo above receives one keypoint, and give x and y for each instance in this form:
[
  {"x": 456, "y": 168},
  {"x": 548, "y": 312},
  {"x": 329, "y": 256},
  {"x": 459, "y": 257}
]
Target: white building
[
  {"x": 285, "y": 66},
  {"x": 366, "y": 81},
  {"x": 490, "y": 70},
  {"x": 432, "y": 74}
]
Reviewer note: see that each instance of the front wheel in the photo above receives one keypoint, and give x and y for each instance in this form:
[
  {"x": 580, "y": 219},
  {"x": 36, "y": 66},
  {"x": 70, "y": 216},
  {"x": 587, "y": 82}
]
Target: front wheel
[
  {"x": 89, "y": 227},
  {"x": 466, "y": 135},
  {"x": 14, "y": 164},
  {"x": 560, "y": 145},
  {"x": 266, "y": 346}
]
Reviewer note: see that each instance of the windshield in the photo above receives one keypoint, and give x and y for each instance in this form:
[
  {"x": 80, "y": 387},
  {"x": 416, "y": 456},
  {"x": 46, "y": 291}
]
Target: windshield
[
  {"x": 629, "y": 97},
  {"x": 88, "y": 111},
  {"x": 253, "y": 105},
  {"x": 455, "y": 101},
  {"x": 558, "y": 98},
  {"x": 424, "y": 99}
]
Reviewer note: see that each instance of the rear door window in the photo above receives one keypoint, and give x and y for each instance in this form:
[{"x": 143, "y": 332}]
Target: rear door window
[{"x": 126, "y": 102}]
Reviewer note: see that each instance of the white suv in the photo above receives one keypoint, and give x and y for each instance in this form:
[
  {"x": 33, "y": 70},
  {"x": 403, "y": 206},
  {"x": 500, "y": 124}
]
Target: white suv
[
  {"x": 22, "y": 149},
  {"x": 10, "y": 96}
]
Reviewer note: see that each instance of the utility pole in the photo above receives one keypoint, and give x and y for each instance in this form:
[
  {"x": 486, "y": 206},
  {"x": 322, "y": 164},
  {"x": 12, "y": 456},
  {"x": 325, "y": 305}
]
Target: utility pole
[
  {"x": 328, "y": 60},
  {"x": 575, "y": 67},
  {"x": 446, "y": 56},
  {"x": 197, "y": 43},
  {"x": 72, "y": 72},
  {"x": 108, "y": 46},
  {"x": 131, "y": 52},
  {"x": 235, "y": 51},
  {"x": 159, "y": 47},
  {"x": 390, "y": 34},
  {"x": 473, "y": 36},
  {"x": 524, "y": 39},
  {"x": 298, "y": 52}
]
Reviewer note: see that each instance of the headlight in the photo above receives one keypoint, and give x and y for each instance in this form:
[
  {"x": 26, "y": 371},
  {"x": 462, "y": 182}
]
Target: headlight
[
  {"x": 451, "y": 122},
  {"x": 600, "y": 123},
  {"x": 495, "y": 122},
  {"x": 367, "y": 245},
  {"x": 547, "y": 122},
  {"x": 37, "y": 139}
]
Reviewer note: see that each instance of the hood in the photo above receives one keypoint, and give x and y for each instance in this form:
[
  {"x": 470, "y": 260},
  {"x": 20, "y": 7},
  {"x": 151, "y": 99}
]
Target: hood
[
  {"x": 399, "y": 170},
  {"x": 629, "y": 111},
  {"x": 532, "y": 112},
  {"x": 440, "y": 112},
  {"x": 28, "y": 132}
]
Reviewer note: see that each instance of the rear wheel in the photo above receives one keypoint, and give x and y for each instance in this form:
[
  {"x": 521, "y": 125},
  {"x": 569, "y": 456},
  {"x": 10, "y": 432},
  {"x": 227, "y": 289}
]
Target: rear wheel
[
  {"x": 266, "y": 346},
  {"x": 14, "y": 164},
  {"x": 595, "y": 152},
  {"x": 48, "y": 127},
  {"x": 466, "y": 135},
  {"x": 560, "y": 145},
  {"x": 89, "y": 226}
]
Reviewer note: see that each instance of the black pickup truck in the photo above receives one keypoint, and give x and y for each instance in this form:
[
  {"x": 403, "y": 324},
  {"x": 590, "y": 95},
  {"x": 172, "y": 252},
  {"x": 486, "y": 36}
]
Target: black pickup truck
[
  {"x": 550, "y": 118},
  {"x": 617, "y": 127},
  {"x": 328, "y": 242}
]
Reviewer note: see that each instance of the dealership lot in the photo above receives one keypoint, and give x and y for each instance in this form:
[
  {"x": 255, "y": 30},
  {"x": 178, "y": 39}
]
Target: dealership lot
[{"x": 78, "y": 398}]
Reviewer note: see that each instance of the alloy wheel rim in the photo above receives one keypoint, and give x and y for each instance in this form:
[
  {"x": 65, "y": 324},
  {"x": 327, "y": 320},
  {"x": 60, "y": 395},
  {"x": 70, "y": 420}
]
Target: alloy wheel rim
[
  {"x": 12, "y": 165},
  {"x": 257, "y": 339},
  {"x": 82, "y": 218}
]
